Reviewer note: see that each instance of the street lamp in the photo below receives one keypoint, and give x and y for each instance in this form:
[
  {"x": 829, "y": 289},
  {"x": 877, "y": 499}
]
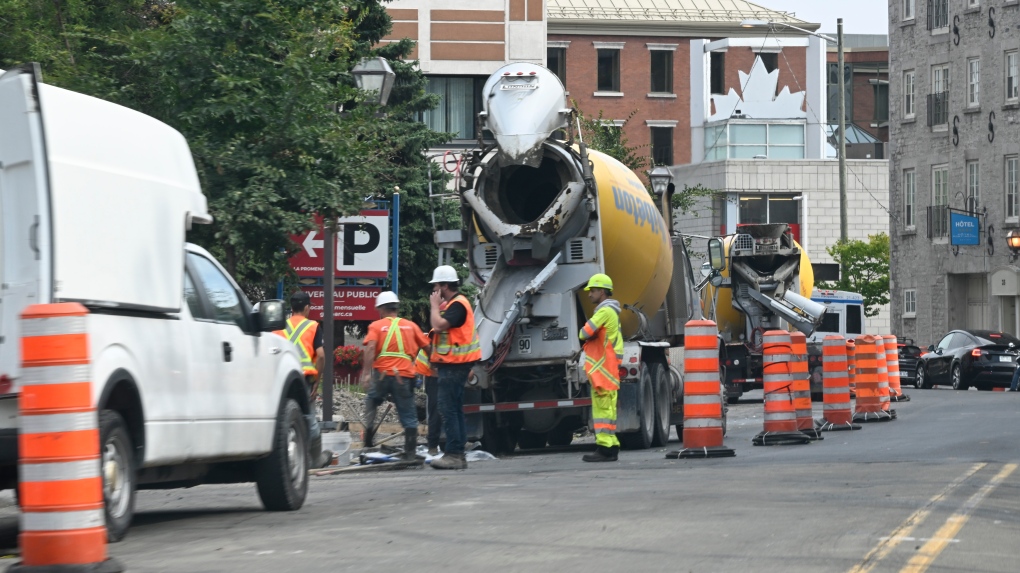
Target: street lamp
[
  {"x": 371, "y": 75},
  {"x": 838, "y": 40},
  {"x": 660, "y": 177},
  {"x": 1013, "y": 242},
  {"x": 375, "y": 75}
]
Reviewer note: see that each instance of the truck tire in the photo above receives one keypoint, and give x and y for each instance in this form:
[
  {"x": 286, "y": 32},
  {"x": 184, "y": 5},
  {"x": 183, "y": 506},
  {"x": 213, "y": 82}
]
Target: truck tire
[
  {"x": 642, "y": 438},
  {"x": 119, "y": 477},
  {"x": 282, "y": 476},
  {"x": 663, "y": 404},
  {"x": 563, "y": 433},
  {"x": 530, "y": 440}
]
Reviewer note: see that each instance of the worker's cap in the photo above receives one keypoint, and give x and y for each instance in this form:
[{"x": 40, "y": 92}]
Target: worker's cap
[
  {"x": 444, "y": 274},
  {"x": 599, "y": 280},
  {"x": 386, "y": 297},
  {"x": 299, "y": 300}
]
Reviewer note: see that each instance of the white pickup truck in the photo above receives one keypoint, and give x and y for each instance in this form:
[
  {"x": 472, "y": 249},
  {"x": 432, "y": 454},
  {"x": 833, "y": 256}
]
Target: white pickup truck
[{"x": 190, "y": 384}]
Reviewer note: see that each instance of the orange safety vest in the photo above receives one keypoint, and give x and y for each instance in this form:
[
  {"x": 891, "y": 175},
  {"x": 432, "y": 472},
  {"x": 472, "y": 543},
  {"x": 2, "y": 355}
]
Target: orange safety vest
[
  {"x": 458, "y": 345},
  {"x": 601, "y": 363},
  {"x": 393, "y": 333},
  {"x": 421, "y": 364},
  {"x": 301, "y": 332}
]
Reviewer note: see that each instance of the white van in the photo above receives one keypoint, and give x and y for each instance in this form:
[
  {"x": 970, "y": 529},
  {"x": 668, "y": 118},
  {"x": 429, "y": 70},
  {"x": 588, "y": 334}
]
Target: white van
[
  {"x": 844, "y": 314},
  {"x": 191, "y": 386}
]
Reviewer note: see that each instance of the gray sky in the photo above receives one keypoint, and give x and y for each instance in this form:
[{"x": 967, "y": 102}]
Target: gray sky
[{"x": 859, "y": 16}]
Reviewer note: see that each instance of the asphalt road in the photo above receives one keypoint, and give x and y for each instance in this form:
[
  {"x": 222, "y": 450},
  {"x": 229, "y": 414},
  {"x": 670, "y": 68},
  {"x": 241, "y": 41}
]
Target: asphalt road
[{"x": 936, "y": 490}]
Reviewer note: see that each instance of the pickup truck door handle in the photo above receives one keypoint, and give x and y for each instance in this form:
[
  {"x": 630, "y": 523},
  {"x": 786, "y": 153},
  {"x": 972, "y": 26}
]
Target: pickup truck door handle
[{"x": 227, "y": 351}]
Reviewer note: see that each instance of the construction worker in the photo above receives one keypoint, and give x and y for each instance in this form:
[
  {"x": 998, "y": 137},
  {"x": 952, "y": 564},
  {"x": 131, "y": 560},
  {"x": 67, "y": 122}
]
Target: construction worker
[
  {"x": 431, "y": 383},
  {"x": 455, "y": 349},
  {"x": 603, "y": 351},
  {"x": 390, "y": 346},
  {"x": 306, "y": 336}
]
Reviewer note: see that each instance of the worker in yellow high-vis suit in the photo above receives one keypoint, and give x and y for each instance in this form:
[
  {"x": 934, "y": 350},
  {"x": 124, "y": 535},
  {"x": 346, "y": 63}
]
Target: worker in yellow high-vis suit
[{"x": 603, "y": 352}]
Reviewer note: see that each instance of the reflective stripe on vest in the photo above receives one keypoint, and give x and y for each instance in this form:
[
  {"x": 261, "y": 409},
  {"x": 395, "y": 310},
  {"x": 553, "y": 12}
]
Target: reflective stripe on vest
[
  {"x": 294, "y": 335},
  {"x": 460, "y": 344},
  {"x": 394, "y": 330}
]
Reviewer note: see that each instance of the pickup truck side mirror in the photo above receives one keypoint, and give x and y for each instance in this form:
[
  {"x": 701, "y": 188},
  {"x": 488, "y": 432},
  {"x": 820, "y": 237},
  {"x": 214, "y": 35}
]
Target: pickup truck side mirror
[
  {"x": 931, "y": 348},
  {"x": 271, "y": 315},
  {"x": 716, "y": 255}
]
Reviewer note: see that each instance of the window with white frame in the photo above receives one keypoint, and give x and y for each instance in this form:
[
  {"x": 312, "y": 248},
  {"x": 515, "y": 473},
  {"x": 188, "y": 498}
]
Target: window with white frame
[
  {"x": 1012, "y": 75},
  {"x": 939, "y": 212},
  {"x": 973, "y": 185},
  {"x": 973, "y": 81},
  {"x": 736, "y": 139},
  {"x": 909, "y": 206},
  {"x": 1012, "y": 208},
  {"x": 908, "y": 93},
  {"x": 973, "y": 3},
  {"x": 908, "y": 9},
  {"x": 909, "y": 303}
]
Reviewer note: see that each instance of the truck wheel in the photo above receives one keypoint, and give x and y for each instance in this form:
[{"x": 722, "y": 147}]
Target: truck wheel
[
  {"x": 563, "y": 433},
  {"x": 119, "y": 477},
  {"x": 530, "y": 440},
  {"x": 497, "y": 439},
  {"x": 642, "y": 438},
  {"x": 282, "y": 476},
  {"x": 663, "y": 405}
]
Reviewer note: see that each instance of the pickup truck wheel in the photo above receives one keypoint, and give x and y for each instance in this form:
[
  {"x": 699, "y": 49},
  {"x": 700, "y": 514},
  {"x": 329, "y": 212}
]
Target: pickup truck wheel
[
  {"x": 119, "y": 478},
  {"x": 282, "y": 477},
  {"x": 663, "y": 404}
]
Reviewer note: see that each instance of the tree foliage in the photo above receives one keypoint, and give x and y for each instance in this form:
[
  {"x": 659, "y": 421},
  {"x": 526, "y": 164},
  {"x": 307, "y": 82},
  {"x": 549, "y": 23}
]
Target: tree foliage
[{"x": 867, "y": 270}]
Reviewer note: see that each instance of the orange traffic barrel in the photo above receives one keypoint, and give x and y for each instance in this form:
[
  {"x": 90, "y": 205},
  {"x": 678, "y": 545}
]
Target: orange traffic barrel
[
  {"x": 884, "y": 395},
  {"x": 60, "y": 485},
  {"x": 836, "y": 411},
  {"x": 802, "y": 386},
  {"x": 851, "y": 365},
  {"x": 892, "y": 362},
  {"x": 777, "y": 380},
  {"x": 703, "y": 408},
  {"x": 869, "y": 401}
]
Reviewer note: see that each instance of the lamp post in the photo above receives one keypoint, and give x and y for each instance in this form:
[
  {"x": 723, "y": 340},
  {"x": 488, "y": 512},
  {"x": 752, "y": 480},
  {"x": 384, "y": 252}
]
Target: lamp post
[
  {"x": 838, "y": 40},
  {"x": 1013, "y": 242},
  {"x": 372, "y": 75}
]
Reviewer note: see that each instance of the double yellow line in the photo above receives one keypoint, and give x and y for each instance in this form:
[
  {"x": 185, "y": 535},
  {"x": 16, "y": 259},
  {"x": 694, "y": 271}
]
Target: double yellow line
[{"x": 927, "y": 554}]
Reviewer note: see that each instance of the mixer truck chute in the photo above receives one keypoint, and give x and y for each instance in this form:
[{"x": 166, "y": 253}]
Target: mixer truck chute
[{"x": 545, "y": 215}]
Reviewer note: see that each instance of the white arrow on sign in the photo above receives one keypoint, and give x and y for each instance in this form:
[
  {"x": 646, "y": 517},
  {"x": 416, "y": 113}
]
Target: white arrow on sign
[{"x": 310, "y": 244}]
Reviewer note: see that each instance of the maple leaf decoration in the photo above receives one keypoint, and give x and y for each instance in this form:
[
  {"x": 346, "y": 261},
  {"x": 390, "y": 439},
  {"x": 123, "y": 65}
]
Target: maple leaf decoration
[{"x": 758, "y": 99}]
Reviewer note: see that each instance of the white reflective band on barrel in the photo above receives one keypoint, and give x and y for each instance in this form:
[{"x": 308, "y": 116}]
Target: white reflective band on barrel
[
  {"x": 777, "y": 397},
  {"x": 701, "y": 377},
  {"x": 780, "y": 357},
  {"x": 839, "y": 390},
  {"x": 60, "y": 471},
  {"x": 703, "y": 423},
  {"x": 54, "y": 375},
  {"x": 837, "y": 405},
  {"x": 701, "y": 353},
  {"x": 701, "y": 331},
  {"x": 837, "y": 358},
  {"x": 834, "y": 342},
  {"x": 61, "y": 520},
  {"x": 702, "y": 399},
  {"x": 58, "y": 423},
  {"x": 773, "y": 416},
  {"x": 53, "y": 326},
  {"x": 778, "y": 378}
]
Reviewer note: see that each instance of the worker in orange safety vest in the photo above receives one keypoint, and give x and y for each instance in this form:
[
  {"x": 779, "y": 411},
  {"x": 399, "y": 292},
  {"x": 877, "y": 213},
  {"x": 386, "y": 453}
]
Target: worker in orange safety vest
[{"x": 603, "y": 352}]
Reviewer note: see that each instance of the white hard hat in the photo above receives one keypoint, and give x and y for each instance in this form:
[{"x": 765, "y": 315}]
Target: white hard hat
[
  {"x": 444, "y": 274},
  {"x": 386, "y": 297}
]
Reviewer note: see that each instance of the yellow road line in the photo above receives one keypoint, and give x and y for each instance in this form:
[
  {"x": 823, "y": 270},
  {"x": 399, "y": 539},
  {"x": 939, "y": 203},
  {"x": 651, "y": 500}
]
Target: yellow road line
[
  {"x": 885, "y": 547},
  {"x": 925, "y": 556}
]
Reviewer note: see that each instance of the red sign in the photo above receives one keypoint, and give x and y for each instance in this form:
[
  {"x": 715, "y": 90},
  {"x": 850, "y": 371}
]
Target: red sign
[
  {"x": 362, "y": 247},
  {"x": 349, "y": 303}
]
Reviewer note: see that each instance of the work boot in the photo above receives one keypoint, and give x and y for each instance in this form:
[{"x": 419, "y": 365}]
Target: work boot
[
  {"x": 601, "y": 454},
  {"x": 325, "y": 459},
  {"x": 450, "y": 462},
  {"x": 410, "y": 444},
  {"x": 614, "y": 452},
  {"x": 433, "y": 450}
]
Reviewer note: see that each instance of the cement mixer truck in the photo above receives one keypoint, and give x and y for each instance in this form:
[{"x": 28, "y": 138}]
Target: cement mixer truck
[
  {"x": 760, "y": 279},
  {"x": 541, "y": 214}
]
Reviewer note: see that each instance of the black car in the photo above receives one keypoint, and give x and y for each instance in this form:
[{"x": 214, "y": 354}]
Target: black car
[
  {"x": 909, "y": 356},
  {"x": 965, "y": 358}
]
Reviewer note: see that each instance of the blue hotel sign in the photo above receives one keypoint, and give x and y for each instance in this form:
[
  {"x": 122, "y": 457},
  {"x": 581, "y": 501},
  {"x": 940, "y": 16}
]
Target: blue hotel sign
[{"x": 963, "y": 229}]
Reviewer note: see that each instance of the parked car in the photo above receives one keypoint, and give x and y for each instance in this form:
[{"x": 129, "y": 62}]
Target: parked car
[
  {"x": 965, "y": 358},
  {"x": 909, "y": 354}
]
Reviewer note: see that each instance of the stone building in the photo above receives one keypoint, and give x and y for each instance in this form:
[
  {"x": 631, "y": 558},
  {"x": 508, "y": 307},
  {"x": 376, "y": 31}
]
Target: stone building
[{"x": 954, "y": 128}]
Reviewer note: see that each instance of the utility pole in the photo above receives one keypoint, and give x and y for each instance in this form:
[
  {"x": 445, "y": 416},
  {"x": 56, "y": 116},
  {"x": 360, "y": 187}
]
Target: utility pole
[{"x": 843, "y": 232}]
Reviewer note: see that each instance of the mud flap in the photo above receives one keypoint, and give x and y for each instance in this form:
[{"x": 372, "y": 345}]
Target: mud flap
[{"x": 627, "y": 398}]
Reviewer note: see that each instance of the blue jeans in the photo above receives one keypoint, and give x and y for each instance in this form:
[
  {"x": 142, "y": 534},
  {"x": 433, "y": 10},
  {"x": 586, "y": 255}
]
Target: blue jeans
[
  {"x": 402, "y": 390},
  {"x": 451, "y": 404},
  {"x": 1016, "y": 379}
]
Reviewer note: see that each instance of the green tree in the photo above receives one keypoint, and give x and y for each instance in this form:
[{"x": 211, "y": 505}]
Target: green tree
[{"x": 867, "y": 270}]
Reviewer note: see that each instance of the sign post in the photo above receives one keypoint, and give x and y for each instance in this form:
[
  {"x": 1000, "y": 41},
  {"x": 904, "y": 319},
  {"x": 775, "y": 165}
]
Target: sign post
[{"x": 326, "y": 376}]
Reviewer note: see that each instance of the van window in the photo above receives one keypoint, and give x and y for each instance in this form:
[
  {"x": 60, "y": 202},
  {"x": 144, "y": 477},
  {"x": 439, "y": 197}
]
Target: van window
[
  {"x": 194, "y": 302},
  {"x": 226, "y": 304},
  {"x": 854, "y": 320},
  {"x": 830, "y": 322}
]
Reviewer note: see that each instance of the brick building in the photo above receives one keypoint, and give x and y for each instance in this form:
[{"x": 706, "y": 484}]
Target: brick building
[{"x": 866, "y": 59}]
